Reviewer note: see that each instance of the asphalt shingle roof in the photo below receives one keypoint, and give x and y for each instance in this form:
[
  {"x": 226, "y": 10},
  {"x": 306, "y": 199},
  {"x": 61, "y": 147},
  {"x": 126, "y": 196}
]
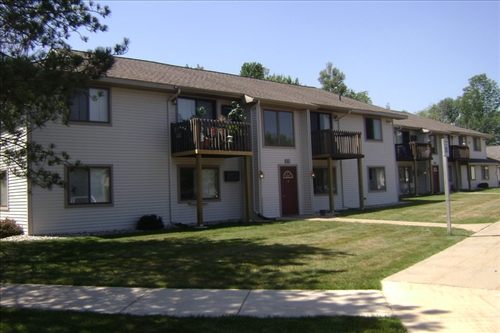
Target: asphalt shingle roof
[
  {"x": 222, "y": 83},
  {"x": 417, "y": 122}
]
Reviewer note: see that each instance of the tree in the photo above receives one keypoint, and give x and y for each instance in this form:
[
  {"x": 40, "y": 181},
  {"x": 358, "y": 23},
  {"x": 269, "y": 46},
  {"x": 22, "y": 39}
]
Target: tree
[
  {"x": 445, "y": 111},
  {"x": 254, "y": 69},
  {"x": 332, "y": 80},
  {"x": 480, "y": 107},
  {"x": 257, "y": 71},
  {"x": 40, "y": 75},
  {"x": 477, "y": 109}
]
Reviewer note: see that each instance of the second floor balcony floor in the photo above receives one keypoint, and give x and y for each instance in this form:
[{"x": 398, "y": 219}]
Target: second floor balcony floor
[
  {"x": 220, "y": 138},
  {"x": 336, "y": 144}
]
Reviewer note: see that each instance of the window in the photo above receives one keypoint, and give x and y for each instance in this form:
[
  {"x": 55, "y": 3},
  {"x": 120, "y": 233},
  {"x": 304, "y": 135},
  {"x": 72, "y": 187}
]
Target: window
[
  {"x": 376, "y": 178},
  {"x": 278, "y": 128},
  {"x": 4, "y": 192},
  {"x": 433, "y": 143},
  {"x": 477, "y": 144},
  {"x": 92, "y": 106},
  {"x": 373, "y": 129},
  {"x": 89, "y": 185},
  {"x": 462, "y": 140},
  {"x": 320, "y": 121},
  {"x": 186, "y": 108},
  {"x": 320, "y": 181},
  {"x": 187, "y": 181},
  {"x": 485, "y": 170},
  {"x": 472, "y": 172}
]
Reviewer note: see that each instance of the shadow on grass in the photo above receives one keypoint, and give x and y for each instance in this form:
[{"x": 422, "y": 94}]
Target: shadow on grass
[
  {"x": 163, "y": 262},
  {"x": 30, "y": 320}
]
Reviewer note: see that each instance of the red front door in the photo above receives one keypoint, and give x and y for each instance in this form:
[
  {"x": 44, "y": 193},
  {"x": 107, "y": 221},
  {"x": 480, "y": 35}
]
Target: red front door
[
  {"x": 289, "y": 196},
  {"x": 435, "y": 179}
]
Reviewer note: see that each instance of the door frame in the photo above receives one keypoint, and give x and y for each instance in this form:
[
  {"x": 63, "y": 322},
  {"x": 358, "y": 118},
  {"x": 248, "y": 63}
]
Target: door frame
[{"x": 281, "y": 188}]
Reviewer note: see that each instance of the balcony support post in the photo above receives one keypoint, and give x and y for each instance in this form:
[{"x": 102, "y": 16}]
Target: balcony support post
[
  {"x": 248, "y": 188},
  {"x": 330, "y": 184},
  {"x": 361, "y": 192},
  {"x": 199, "y": 191},
  {"x": 468, "y": 174},
  {"x": 415, "y": 175}
]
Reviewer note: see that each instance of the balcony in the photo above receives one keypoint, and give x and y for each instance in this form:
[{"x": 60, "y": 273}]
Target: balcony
[
  {"x": 459, "y": 153},
  {"x": 220, "y": 138},
  {"x": 413, "y": 151},
  {"x": 338, "y": 145}
]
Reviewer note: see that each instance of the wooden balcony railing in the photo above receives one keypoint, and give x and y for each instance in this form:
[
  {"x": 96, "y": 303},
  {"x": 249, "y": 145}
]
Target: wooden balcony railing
[
  {"x": 413, "y": 151},
  {"x": 459, "y": 153},
  {"x": 336, "y": 144},
  {"x": 210, "y": 137}
]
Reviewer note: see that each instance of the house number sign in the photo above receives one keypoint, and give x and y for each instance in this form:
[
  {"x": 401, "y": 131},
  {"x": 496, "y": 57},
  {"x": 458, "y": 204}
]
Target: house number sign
[{"x": 287, "y": 160}]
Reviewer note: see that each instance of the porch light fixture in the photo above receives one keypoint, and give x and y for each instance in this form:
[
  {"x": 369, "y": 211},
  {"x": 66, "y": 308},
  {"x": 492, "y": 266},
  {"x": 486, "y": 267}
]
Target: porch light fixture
[
  {"x": 261, "y": 174},
  {"x": 313, "y": 174}
]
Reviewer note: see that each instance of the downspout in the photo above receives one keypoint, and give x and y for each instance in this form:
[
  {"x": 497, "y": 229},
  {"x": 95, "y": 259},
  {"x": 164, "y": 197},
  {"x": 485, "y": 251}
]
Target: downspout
[
  {"x": 169, "y": 151},
  {"x": 340, "y": 162}
]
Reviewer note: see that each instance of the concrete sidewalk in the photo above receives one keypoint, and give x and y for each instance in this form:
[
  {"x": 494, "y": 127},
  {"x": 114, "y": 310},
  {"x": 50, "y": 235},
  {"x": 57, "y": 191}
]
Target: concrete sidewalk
[
  {"x": 190, "y": 302},
  {"x": 456, "y": 290}
]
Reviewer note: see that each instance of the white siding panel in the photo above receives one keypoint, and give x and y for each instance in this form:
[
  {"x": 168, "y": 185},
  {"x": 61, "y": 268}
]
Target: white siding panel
[
  {"x": 135, "y": 145},
  {"x": 17, "y": 208}
]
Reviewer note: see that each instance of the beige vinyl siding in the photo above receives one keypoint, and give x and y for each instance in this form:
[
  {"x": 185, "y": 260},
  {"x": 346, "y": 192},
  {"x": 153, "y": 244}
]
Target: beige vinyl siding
[
  {"x": 135, "y": 145},
  {"x": 17, "y": 208},
  {"x": 232, "y": 194}
]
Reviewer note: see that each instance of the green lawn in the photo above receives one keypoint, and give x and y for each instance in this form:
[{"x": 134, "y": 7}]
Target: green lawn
[
  {"x": 466, "y": 207},
  {"x": 279, "y": 255},
  {"x": 40, "y": 321}
]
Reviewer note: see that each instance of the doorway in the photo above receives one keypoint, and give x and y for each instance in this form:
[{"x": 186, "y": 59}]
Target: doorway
[
  {"x": 289, "y": 195},
  {"x": 435, "y": 179}
]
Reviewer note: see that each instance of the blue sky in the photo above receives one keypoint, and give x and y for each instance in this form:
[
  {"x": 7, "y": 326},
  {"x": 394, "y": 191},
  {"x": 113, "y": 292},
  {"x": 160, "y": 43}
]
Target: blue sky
[{"x": 405, "y": 54}]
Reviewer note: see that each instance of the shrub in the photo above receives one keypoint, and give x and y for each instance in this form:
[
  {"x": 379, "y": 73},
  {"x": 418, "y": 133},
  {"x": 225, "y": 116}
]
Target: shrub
[
  {"x": 150, "y": 222},
  {"x": 483, "y": 185},
  {"x": 9, "y": 227}
]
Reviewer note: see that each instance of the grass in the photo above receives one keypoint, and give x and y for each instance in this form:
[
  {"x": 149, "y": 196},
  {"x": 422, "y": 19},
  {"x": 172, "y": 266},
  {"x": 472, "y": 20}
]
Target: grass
[
  {"x": 466, "y": 207},
  {"x": 30, "y": 320},
  {"x": 280, "y": 255}
]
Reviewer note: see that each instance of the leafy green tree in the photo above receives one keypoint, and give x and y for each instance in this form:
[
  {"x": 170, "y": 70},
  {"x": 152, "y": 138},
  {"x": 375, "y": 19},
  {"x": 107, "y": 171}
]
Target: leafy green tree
[
  {"x": 480, "y": 107},
  {"x": 254, "y": 69},
  {"x": 40, "y": 75},
  {"x": 332, "y": 79},
  {"x": 257, "y": 71},
  {"x": 445, "y": 111}
]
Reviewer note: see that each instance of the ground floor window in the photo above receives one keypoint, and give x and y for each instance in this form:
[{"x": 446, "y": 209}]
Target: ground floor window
[
  {"x": 406, "y": 180},
  {"x": 485, "y": 170},
  {"x": 187, "y": 181},
  {"x": 89, "y": 185},
  {"x": 4, "y": 192},
  {"x": 320, "y": 181},
  {"x": 376, "y": 176},
  {"x": 473, "y": 172}
]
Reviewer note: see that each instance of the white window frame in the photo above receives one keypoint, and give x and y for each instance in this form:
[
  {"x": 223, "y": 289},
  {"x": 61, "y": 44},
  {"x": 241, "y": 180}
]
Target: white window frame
[
  {"x": 4, "y": 190},
  {"x": 485, "y": 172},
  {"x": 278, "y": 129}
]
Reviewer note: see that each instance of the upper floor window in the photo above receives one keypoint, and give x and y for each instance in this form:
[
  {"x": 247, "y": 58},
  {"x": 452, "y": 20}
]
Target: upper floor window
[
  {"x": 373, "y": 128},
  {"x": 4, "y": 191},
  {"x": 477, "y": 144},
  {"x": 278, "y": 128},
  {"x": 433, "y": 143},
  {"x": 462, "y": 140},
  {"x": 320, "y": 121},
  {"x": 376, "y": 177},
  {"x": 188, "y": 108},
  {"x": 89, "y": 185},
  {"x": 92, "y": 106}
]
